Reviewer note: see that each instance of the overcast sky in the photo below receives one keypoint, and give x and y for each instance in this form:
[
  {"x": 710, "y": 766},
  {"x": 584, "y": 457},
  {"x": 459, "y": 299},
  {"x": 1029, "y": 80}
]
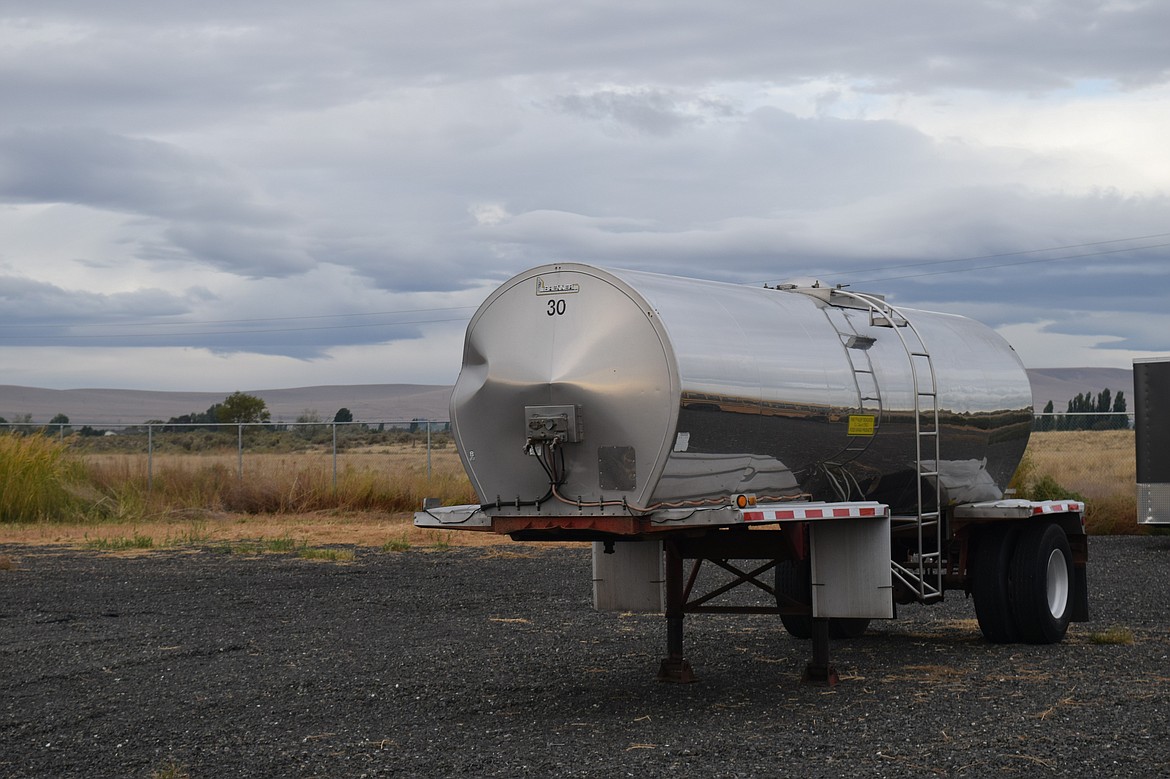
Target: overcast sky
[{"x": 237, "y": 194}]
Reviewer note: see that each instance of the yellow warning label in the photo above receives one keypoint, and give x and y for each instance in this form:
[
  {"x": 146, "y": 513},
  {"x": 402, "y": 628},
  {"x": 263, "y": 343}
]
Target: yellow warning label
[{"x": 861, "y": 424}]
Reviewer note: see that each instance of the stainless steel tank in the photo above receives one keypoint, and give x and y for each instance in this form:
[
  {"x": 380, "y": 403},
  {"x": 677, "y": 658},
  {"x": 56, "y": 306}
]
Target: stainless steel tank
[{"x": 658, "y": 390}]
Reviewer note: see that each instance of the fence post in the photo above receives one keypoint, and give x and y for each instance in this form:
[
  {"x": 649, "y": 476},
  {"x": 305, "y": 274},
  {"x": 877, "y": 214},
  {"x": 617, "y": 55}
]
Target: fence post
[
  {"x": 150, "y": 458},
  {"x": 335, "y": 457},
  {"x": 240, "y": 452},
  {"x": 428, "y": 450}
]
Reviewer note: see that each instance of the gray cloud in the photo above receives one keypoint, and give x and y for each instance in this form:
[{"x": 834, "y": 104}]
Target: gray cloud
[
  {"x": 300, "y": 159},
  {"x": 241, "y": 250},
  {"x": 653, "y": 111},
  {"x": 139, "y": 176},
  {"x": 918, "y": 44},
  {"x": 215, "y": 217},
  {"x": 37, "y": 303}
]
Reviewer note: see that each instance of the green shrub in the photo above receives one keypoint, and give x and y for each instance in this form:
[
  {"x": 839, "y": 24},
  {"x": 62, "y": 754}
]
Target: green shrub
[
  {"x": 1112, "y": 636},
  {"x": 38, "y": 479},
  {"x": 120, "y": 543},
  {"x": 396, "y": 544},
  {"x": 1047, "y": 488},
  {"x": 324, "y": 553}
]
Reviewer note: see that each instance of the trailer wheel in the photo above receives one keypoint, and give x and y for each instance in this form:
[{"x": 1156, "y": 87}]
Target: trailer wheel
[
  {"x": 793, "y": 580},
  {"x": 1041, "y": 584},
  {"x": 991, "y": 567}
]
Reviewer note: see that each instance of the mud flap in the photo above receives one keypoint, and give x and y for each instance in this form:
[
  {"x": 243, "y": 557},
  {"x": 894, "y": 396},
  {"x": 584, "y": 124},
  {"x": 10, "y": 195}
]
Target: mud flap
[
  {"x": 1080, "y": 594},
  {"x": 851, "y": 568}
]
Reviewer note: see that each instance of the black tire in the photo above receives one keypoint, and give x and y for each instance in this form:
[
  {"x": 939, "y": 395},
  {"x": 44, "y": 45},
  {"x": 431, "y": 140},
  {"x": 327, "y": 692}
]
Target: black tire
[
  {"x": 793, "y": 580},
  {"x": 991, "y": 569},
  {"x": 1041, "y": 584}
]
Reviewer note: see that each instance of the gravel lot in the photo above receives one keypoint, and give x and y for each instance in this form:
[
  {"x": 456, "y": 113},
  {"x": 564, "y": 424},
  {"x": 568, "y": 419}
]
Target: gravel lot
[{"x": 491, "y": 662}]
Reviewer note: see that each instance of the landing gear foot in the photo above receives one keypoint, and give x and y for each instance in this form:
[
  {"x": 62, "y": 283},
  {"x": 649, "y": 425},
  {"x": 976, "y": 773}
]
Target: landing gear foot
[
  {"x": 820, "y": 675},
  {"x": 676, "y": 670}
]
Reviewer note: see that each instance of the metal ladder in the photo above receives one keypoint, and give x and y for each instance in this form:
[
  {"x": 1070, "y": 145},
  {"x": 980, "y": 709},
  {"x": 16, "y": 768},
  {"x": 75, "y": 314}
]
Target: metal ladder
[
  {"x": 924, "y": 574},
  {"x": 869, "y": 395},
  {"x": 869, "y": 402}
]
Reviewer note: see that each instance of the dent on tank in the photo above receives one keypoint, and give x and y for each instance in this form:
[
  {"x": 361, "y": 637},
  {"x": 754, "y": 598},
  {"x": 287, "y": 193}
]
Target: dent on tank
[{"x": 652, "y": 389}]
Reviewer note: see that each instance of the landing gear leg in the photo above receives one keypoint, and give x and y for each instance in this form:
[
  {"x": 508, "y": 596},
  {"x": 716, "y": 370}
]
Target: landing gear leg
[
  {"x": 820, "y": 670},
  {"x": 675, "y": 667}
]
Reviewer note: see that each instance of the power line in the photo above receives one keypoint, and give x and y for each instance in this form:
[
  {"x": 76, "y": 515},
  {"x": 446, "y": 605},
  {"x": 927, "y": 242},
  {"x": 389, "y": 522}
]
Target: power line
[
  {"x": 120, "y": 336},
  {"x": 257, "y": 319},
  {"x": 977, "y": 258},
  {"x": 1021, "y": 262}
]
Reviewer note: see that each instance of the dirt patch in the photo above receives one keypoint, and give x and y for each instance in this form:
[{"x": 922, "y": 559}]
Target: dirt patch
[{"x": 317, "y": 529}]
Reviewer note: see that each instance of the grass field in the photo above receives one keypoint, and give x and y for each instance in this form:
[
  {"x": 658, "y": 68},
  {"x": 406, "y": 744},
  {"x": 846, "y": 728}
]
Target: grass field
[
  {"x": 219, "y": 498},
  {"x": 126, "y": 501},
  {"x": 1098, "y": 466},
  {"x": 1094, "y": 464}
]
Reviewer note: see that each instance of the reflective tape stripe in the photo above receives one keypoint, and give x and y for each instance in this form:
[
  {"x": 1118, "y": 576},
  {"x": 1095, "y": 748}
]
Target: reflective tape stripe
[
  {"x": 798, "y": 514},
  {"x": 1058, "y": 508}
]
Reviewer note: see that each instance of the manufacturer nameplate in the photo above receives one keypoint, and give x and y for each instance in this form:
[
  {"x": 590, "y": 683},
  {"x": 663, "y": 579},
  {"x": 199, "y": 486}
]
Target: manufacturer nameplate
[{"x": 543, "y": 288}]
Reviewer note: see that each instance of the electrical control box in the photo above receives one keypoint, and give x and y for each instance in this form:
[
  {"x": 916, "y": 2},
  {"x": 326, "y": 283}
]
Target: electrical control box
[{"x": 552, "y": 423}]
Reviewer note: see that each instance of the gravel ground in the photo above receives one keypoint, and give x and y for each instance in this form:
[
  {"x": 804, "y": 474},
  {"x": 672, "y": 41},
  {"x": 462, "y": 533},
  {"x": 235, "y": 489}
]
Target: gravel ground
[{"x": 491, "y": 662}]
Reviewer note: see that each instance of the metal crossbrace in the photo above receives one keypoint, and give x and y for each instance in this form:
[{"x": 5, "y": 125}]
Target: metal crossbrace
[
  {"x": 699, "y": 604},
  {"x": 926, "y": 441}
]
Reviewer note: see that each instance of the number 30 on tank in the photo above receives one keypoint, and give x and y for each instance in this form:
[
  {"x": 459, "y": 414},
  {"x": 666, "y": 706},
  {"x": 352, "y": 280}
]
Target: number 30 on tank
[{"x": 556, "y": 307}]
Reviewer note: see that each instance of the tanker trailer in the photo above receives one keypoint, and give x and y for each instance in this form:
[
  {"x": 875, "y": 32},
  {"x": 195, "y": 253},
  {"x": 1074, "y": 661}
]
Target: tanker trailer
[{"x": 868, "y": 447}]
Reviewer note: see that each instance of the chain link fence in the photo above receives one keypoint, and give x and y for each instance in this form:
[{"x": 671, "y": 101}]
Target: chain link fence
[
  {"x": 422, "y": 437},
  {"x": 1091, "y": 451}
]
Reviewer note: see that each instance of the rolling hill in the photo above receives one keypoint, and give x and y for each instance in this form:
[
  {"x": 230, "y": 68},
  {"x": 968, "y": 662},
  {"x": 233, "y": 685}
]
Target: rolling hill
[
  {"x": 393, "y": 402},
  {"x": 368, "y": 402}
]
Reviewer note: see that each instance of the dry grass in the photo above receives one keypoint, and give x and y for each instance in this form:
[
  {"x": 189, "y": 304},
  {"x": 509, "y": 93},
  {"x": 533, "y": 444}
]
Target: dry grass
[
  {"x": 1112, "y": 636},
  {"x": 38, "y": 479},
  {"x": 194, "y": 499},
  {"x": 1099, "y": 466},
  {"x": 1094, "y": 464},
  {"x": 362, "y": 529},
  {"x": 392, "y": 479}
]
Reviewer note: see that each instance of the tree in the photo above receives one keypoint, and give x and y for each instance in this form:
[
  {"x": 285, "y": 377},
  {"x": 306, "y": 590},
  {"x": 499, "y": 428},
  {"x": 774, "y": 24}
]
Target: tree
[
  {"x": 1088, "y": 413},
  {"x": 1047, "y": 421},
  {"x": 210, "y": 417},
  {"x": 343, "y": 415},
  {"x": 1104, "y": 404},
  {"x": 240, "y": 407},
  {"x": 1120, "y": 421},
  {"x": 306, "y": 422}
]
